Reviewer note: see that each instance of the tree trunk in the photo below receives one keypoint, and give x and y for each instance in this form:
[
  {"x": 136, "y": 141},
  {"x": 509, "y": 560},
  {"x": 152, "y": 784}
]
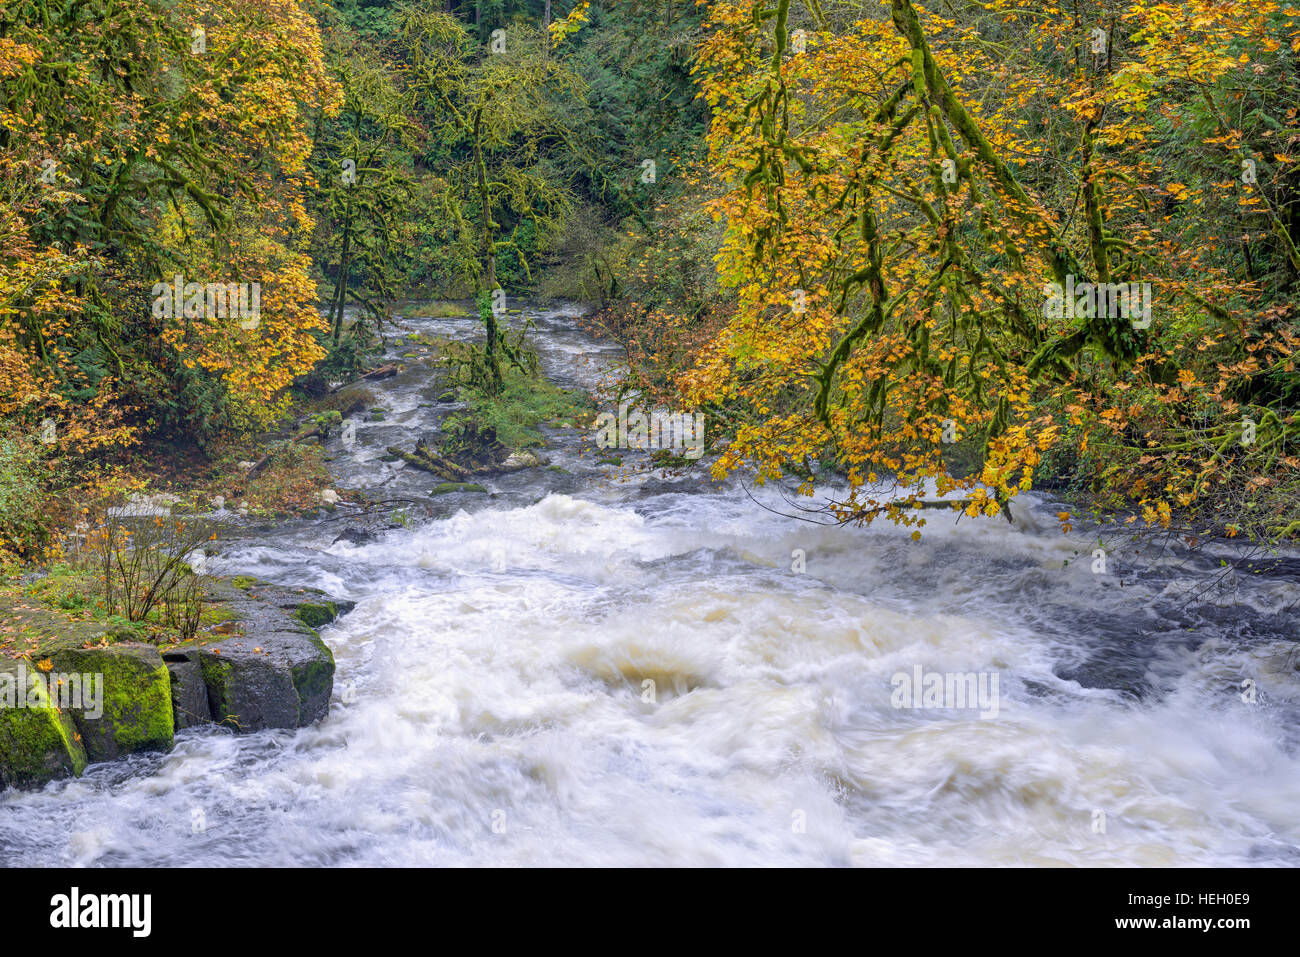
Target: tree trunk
[{"x": 487, "y": 249}]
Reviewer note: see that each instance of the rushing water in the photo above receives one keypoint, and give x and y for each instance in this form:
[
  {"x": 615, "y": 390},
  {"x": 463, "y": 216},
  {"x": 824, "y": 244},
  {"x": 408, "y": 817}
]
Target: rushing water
[{"x": 491, "y": 695}]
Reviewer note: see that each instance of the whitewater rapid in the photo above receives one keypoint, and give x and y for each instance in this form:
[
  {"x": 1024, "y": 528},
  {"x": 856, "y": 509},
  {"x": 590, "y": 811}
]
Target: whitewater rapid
[{"x": 662, "y": 671}]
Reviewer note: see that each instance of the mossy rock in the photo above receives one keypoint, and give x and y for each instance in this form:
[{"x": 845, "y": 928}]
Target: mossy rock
[
  {"x": 136, "y": 711},
  {"x": 352, "y": 399},
  {"x": 246, "y": 694},
  {"x": 243, "y": 582},
  {"x": 38, "y": 743},
  {"x": 313, "y": 616},
  {"x": 447, "y": 488},
  {"x": 313, "y": 679},
  {"x": 376, "y": 415},
  {"x": 272, "y": 680},
  {"x": 447, "y": 397}
]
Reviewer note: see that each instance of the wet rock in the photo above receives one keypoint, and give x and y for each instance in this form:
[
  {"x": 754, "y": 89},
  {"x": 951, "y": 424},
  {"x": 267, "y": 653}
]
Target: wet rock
[
  {"x": 135, "y": 713},
  {"x": 523, "y": 459},
  {"x": 278, "y": 673},
  {"x": 352, "y": 400},
  {"x": 189, "y": 694},
  {"x": 284, "y": 680},
  {"x": 316, "y": 614},
  {"x": 364, "y": 535},
  {"x": 38, "y": 743},
  {"x": 356, "y": 536},
  {"x": 247, "y": 690}
]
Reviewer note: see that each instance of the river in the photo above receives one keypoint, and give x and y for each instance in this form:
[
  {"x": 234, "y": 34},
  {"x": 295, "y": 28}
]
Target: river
[{"x": 605, "y": 666}]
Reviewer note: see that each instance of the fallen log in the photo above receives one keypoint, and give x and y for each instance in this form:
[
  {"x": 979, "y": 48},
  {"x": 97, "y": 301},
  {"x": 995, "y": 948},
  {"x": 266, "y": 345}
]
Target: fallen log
[
  {"x": 432, "y": 462},
  {"x": 383, "y": 372},
  {"x": 429, "y": 461}
]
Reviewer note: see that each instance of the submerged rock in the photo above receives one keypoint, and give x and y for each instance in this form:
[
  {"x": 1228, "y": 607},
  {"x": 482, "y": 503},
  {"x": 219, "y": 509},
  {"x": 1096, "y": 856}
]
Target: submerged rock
[
  {"x": 448, "y": 487},
  {"x": 356, "y": 536}
]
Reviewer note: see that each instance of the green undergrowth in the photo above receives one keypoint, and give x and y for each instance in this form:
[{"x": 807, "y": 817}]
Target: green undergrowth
[{"x": 524, "y": 403}]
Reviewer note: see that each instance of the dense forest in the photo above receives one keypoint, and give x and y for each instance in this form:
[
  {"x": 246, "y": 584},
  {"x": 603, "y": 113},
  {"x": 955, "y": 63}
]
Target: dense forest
[{"x": 961, "y": 250}]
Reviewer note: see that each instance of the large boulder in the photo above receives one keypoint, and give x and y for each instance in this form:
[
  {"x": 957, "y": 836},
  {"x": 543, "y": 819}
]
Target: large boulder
[
  {"x": 277, "y": 673},
  {"x": 38, "y": 742},
  {"x": 268, "y": 680},
  {"x": 136, "y": 711}
]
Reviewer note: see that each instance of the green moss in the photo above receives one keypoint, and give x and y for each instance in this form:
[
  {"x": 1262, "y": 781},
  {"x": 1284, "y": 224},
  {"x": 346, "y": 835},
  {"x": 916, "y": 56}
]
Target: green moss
[
  {"x": 315, "y": 678},
  {"x": 525, "y": 403},
  {"x": 313, "y": 616},
  {"x": 244, "y": 582},
  {"x": 137, "y": 699},
  {"x": 325, "y": 421},
  {"x": 37, "y": 744},
  {"x": 448, "y": 487},
  {"x": 216, "y": 677},
  {"x": 214, "y": 613}
]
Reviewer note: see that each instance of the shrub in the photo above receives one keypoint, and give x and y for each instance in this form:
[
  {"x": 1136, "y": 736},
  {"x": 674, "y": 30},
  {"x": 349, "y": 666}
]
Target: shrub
[{"x": 24, "y": 477}]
